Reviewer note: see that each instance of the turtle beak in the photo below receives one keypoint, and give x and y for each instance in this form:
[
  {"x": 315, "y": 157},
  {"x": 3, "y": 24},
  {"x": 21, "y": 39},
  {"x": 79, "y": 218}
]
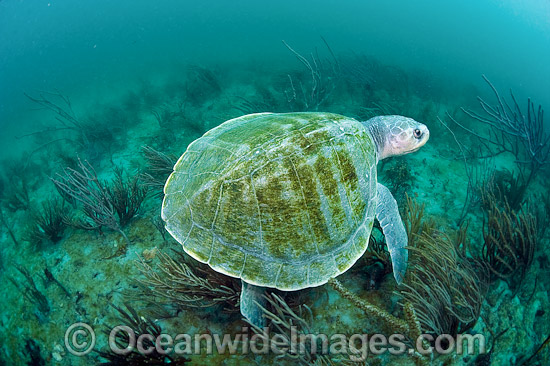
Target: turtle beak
[
  {"x": 421, "y": 140},
  {"x": 424, "y": 137},
  {"x": 426, "y": 134}
]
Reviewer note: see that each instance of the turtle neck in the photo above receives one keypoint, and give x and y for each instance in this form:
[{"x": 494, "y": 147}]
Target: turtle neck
[{"x": 377, "y": 131}]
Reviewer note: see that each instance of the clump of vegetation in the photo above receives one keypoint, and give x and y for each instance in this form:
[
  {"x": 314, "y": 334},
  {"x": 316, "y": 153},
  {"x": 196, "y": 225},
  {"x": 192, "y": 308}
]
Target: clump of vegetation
[
  {"x": 478, "y": 176},
  {"x": 158, "y": 168},
  {"x": 31, "y": 293},
  {"x": 202, "y": 85},
  {"x": 416, "y": 223},
  {"x": 170, "y": 117},
  {"x": 310, "y": 89},
  {"x": 126, "y": 196},
  {"x": 173, "y": 282},
  {"x": 66, "y": 118},
  {"x": 110, "y": 206},
  {"x": 506, "y": 187},
  {"x": 16, "y": 196},
  {"x": 359, "y": 72},
  {"x": 93, "y": 134},
  {"x": 49, "y": 223},
  {"x": 249, "y": 106},
  {"x": 509, "y": 239},
  {"x": 289, "y": 323},
  {"x": 106, "y": 129},
  {"x": 513, "y": 130},
  {"x": 445, "y": 286},
  {"x": 8, "y": 226}
]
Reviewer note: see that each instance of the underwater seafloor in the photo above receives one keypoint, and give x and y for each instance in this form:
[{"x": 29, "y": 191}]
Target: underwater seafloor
[{"x": 476, "y": 219}]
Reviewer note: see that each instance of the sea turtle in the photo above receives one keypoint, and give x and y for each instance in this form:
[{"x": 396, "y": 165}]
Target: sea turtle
[{"x": 287, "y": 200}]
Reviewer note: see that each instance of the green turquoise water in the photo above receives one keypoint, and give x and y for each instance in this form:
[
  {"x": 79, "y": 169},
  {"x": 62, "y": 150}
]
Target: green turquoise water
[{"x": 116, "y": 84}]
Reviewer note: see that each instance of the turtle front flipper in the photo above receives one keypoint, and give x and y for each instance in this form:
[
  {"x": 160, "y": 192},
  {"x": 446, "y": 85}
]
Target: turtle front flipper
[
  {"x": 252, "y": 297},
  {"x": 387, "y": 214}
]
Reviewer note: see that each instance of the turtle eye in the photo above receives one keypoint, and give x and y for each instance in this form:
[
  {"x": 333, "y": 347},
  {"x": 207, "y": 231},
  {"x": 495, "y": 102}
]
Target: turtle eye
[{"x": 417, "y": 133}]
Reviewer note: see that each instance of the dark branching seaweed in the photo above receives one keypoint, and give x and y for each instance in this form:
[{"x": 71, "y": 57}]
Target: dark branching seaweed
[
  {"x": 287, "y": 323},
  {"x": 415, "y": 222},
  {"x": 139, "y": 325},
  {"x": 32, "y": 294},
  {"x": 512, "y": 130},
  {"x": 165, "y": 117},
  {"x": 173, "y": 282},
  {"x": 510, "y": 238},
  {"x": 98, "y": 132},
  {"x": 361, "y": 70},
  {"x": 47, "y": 223},
  {"x": 444, "y": 285},
  {"x": 126, "y": 196},
  {"x": 373, "y": 109},
  {"x": 246, "y": 106},
  {"x": 64, "y": 113},
  {"x": 16, "y": 196},
  {"x": 202, "y": 85},
  {"x": 105, "y": 130},
  {"x": 159, "y": 164},
  {"x": 81, "y": 133},
  {"x": 158, "y": 169},
  {"x": 171, "y": 116},
  {"x": 32, "y": 349},
  {"x": 66, "y": 196},
  {"x": 477, "y": 175},
  {"x": 113, "y": 120},
  {"x": 505, "y": 186},
  {"x": 310, "y": 95},
  {"x": 8, "y": 226},
  {"x": 92, "y": 195}
]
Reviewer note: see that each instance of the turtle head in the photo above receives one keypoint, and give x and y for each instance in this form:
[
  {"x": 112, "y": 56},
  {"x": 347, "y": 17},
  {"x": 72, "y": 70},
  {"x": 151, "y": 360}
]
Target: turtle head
[{"x": 396, "y": 135}]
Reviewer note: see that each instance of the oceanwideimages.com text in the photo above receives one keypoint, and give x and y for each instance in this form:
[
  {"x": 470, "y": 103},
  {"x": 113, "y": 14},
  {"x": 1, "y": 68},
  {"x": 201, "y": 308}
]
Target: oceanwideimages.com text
[{"x": 80, "y": 340}]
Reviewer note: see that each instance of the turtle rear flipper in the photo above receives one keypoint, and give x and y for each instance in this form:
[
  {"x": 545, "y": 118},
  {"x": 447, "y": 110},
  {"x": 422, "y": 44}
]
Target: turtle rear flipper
[
  {"x": 252, "y": 297},
  {"x": 387, "y": 214}
]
